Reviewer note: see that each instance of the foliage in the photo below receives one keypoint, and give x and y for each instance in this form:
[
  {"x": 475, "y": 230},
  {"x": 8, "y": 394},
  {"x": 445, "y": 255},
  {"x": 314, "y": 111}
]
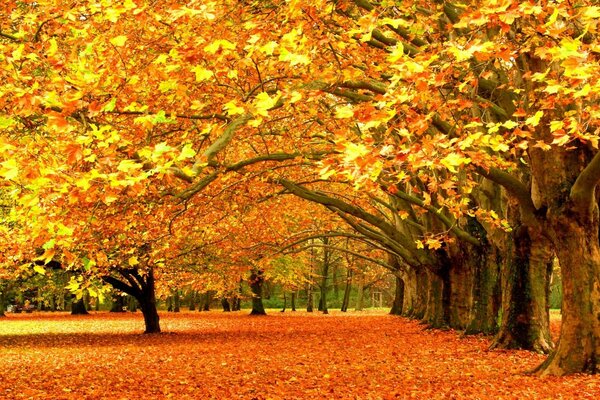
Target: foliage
[{"x": 281, "y": 356}]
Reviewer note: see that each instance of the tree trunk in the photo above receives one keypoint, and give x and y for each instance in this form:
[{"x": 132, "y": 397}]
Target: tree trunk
[
  {"x": 324, "y": 283},
  {"x": 142, "y": 288},
  {"x": 207, "y": 300},
  {"x": 525, "y": 286},
  {"x": 347, "y": 288},
  {"x": 284, "y": 302},
  {"x": 360, "y": 296},
  {"x": 256, "y": 282},
  {"x": 437, "y": 300},
  {"x": 193, "y": 300},
  {"x": 309, "y": 298},
  {"x": 225, "y": 305},
  {"x": 2, "y": 302},
  {"x": 78, "y": 307},
  {"x": 147, "y": 302},
  {"x": 293, "y": 300},
  {"x": 398, "y": 297},
  {"x": 176, "y": 301},
  {"x": 578, "y": 253},
  {"x": 236, "y": 304}
]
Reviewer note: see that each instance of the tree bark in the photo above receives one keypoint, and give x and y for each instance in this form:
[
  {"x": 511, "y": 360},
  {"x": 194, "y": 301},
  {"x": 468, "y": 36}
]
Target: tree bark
[
  {"x": 360, "y": 295},
  {"x": 284, "y": 302},
  {"x": 525, "y": 293},
  {"x": 141, "y": 287},
  {"x": 78, "y": 307},
  {"x": 347, "y": 288},
  {"x": 256, "y": 283},
  {"x": 225, "y": 304},
  {"x": 293, "y": 301},
  {"x": 176, "y": 301},
  {"x": 578, "y": 253},
  {"x": 398, "y": 303}
]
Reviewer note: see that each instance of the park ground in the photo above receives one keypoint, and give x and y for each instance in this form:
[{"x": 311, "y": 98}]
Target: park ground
[{"x": 215, "y": 355}]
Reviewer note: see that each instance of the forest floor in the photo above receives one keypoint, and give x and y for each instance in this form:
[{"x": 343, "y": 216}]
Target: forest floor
[{"x": 215, "y": 355}]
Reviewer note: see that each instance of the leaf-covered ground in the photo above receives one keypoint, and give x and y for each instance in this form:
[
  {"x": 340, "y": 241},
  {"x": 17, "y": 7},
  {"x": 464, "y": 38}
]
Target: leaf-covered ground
[{"x": 282, "y": 356}]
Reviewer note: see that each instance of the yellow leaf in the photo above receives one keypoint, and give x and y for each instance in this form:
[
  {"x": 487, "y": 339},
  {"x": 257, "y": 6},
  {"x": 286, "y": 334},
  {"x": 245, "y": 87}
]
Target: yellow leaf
[
  {"x": 133, "y": 261},
  {"x": 118, "y": 41},
  {"x": 186, "y": 152},
  {"x": 535, "y": 119},
  {"x": 453, "y": 160},
  {"x": 202, "y": 74},
  {"x": 264, "y": 102},
  {"x": 269, "y": 48},
  {"x": 344, "y": 112},
  {"x": 232, "y": 109},
  {"x": 9, "y": 170},
  {"x": 219, "y": 44},
  {"x": 39, "y": 269},
  {"x": 53, "y": 47}
]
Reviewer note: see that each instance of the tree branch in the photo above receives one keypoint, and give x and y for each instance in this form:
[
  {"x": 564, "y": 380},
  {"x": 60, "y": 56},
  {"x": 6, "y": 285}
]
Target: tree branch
[{"x": 584, "y": 188}]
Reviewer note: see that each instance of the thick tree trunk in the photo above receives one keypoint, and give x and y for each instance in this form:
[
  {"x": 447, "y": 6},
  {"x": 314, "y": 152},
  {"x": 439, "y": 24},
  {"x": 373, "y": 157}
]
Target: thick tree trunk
[
  {"x": 347, "y": 288},
  {"x": 256, "y": 283},
  {"x": 176, "y": 301},
  {"x": 207, "y": 300},
  {"x": 225, "y": 304},
  {"x": 578, "y": 253},
  {"x": 437, "y": 303},
  {"x": 398, "y": 297},
  {"x": 147, "y": 302},
  {"x": 143, "y": 289},
  {"x": 525, "y": 283},
  {"x": 78, "y": 307}
]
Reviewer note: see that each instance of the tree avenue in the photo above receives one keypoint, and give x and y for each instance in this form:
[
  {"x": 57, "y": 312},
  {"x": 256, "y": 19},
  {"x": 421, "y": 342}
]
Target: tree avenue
[{"x": 459, "y": 138}]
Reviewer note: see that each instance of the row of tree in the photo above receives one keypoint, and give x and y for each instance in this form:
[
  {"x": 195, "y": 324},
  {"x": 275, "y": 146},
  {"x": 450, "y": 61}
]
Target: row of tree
[{"x": 458, "y": 139}]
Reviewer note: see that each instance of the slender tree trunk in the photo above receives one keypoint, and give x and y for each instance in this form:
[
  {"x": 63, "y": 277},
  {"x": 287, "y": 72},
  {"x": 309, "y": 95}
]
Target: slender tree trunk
[
  {"x": 256, "y": 283},
  {"x": 293, "y": 300},
  {"x": 2, "y": 302},
  {"x": 324, "y": 280},
  {"x": 347, "y": 289},
  {"x": 284, "y": 302},
  {"x": 170, "y": 303},
  {"x": 193, "y": 300},
  {"x": 309, "y": 298},
  {"x": 360, "y": 296}
]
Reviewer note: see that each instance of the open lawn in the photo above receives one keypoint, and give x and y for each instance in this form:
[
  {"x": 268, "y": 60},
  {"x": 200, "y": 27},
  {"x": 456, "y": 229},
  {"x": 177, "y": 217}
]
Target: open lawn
[{"x": 219, "y": 355}]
